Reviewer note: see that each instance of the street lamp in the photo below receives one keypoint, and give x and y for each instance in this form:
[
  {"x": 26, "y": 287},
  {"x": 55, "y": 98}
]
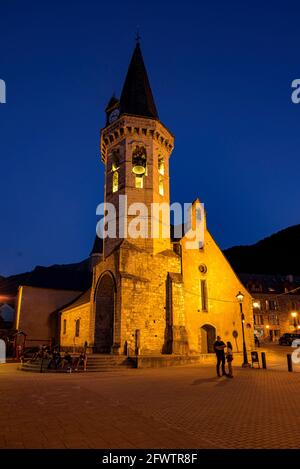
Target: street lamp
[
  {"x": 240, "y": 298},
  {"x": 294, "y": 315}
]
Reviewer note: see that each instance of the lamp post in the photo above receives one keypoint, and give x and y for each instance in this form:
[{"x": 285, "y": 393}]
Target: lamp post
[
  {"x": 240, "y": 298},
  {"x": 294, "y": 315},
  {"x": 268, "y": 331}
]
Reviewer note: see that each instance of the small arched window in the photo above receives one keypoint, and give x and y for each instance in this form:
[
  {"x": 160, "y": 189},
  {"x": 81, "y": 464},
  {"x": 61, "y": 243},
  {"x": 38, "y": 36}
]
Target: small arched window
[{"x": 115, "y": 163}]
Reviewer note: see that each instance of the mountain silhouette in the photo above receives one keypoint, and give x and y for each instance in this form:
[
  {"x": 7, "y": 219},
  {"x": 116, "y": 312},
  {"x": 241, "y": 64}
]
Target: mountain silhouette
[{"x": 276, "y": 254}]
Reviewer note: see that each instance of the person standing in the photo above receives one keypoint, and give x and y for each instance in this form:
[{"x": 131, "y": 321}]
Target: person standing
[
  {"x": 229, "y": 358},
  {"x": 219, "y": 347}
]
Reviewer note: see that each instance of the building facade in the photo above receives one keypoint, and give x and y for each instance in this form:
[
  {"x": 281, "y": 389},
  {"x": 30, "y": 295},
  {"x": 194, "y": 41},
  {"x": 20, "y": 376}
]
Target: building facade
[
  {"x": 276, "y": 304},
  {"x": 151, "y": 294}
]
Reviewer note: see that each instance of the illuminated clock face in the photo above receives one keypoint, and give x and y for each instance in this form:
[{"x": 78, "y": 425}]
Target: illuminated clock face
[{"x": 113, "y": 116}]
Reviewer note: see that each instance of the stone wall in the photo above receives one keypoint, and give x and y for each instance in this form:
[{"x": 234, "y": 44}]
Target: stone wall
[
  {"x": 223, "y": 310},
  {"x": 68, "y": 339}
]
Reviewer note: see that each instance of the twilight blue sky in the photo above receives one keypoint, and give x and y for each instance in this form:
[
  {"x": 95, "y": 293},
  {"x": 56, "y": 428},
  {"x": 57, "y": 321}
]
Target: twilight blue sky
[{"x": 221, "y": 75}]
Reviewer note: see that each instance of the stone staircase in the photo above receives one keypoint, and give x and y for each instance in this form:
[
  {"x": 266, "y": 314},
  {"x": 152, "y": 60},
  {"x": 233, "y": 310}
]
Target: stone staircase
[
  {"x": 95, "y": 362},
  {"x": 102, "y": 362}
]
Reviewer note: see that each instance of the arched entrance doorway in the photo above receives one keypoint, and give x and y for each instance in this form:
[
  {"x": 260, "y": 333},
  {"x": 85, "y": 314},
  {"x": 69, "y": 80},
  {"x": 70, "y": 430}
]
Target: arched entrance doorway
[
  {"x": 105, "y": 311},
  {"x": 207, "y": 338}
]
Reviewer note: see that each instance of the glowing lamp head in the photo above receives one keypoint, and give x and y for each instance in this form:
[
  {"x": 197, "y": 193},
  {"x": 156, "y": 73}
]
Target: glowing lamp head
[
  {"x": 256, "y": 304},
  {"x": 240, "y": 297},
  {"x": 267, "y": 327},
  {"x": 294, "y": 314}
]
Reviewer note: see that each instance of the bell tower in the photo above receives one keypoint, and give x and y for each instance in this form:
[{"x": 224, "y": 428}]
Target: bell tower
[{"x": 135, "y": 149}]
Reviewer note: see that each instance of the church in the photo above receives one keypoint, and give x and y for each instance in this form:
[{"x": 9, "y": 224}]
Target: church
[{"x": 151, "y": 295}]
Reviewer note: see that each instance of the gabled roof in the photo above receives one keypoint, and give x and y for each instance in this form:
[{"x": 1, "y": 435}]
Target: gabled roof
[
  {"x": 136, "y": 97},
  {"x": 82, "y": 299}
]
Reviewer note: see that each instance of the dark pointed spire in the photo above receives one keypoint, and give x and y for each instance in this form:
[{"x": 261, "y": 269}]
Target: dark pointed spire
[{"x": 136, "y": 97}]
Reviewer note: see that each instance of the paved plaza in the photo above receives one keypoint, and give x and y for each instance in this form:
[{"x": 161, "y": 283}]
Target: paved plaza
[{"x": 180, "y": 407}]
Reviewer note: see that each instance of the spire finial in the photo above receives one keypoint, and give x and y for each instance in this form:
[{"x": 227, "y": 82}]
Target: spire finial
[{"x": 137, "y": 36}]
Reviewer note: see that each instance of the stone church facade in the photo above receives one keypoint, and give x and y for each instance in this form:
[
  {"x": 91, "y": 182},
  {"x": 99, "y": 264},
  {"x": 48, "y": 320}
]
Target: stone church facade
[{"x": 151, "y": 295}]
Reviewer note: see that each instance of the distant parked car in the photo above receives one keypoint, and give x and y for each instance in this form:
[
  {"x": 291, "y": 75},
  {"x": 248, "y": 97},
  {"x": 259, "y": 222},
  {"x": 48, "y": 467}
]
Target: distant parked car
[
  {"x": 296, "y": 343},
  {"x": 288, "y": 339}
]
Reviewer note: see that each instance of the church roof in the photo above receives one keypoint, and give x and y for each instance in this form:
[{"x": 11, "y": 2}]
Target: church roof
[
  {"x": 136, "y": 97},
  {"x": 112, "y": 102},
  {"x": 98, "y": 246},
  {"x": 80, "y": 300}
]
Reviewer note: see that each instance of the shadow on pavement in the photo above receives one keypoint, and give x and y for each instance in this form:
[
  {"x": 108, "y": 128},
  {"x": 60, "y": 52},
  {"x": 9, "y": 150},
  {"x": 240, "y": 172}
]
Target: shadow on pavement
[{"x": 215, "y": 379}]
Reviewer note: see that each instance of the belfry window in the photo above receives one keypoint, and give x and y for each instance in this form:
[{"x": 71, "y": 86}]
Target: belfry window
[
  {"x": 114, "y": 167},
  {"x": 65, "y": 326},
  {"x": 161, "y": 185},
  {"x": 115, "y": 183},
  {"x": 139, "y": 160},
  {"x": 161, "y": 165}
]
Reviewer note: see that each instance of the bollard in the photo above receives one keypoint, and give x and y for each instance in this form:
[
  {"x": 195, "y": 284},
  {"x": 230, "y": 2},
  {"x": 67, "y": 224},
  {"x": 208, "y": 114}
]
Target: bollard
[
  {"x": 263, "y": 360},
  {"x": 289, "y": 362}
]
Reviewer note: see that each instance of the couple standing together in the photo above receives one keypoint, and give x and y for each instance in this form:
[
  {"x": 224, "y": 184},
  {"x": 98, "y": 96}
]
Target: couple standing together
[{"x": 219, "y": 348}]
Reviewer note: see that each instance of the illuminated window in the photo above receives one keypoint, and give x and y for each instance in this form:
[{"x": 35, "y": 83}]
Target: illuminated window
[
  {"x": 161, "y": 165},
  {"x": 274, "y": 319},
  {"x": 77, "y": 327},
  {"x": 115, "y": 161},
  {"x": 139, "y": 160},
  {"x": 139, "y": 182},
  {"x": 115, "y": 184},
  {"x": 161, "y": 185},
  {"x": 258, "y": 319},
  {"x": 271, "y": 304},
  {"x": 65, "y": 326},
  {"x": 203, "y": 295}
]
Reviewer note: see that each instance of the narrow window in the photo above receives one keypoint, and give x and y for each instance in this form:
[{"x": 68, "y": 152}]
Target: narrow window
[
  {"x": 65, "y": 326},
  {"x": 139, "y": 182},
  {"x": 115, "y": 162},
  {"x": 161, "y": 185},
  {"x": 161, "y": 165},
  {"x": 272, "y": 305},
  {"x": 77, "y": 327},
  {"x": 115, "y": 184},
  {"x": 203, "y": 294}
]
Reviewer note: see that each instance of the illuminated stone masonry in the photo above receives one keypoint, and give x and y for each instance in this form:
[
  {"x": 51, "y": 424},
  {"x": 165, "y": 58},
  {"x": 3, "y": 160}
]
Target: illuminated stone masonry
[{"x": 151, "y": 295}]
